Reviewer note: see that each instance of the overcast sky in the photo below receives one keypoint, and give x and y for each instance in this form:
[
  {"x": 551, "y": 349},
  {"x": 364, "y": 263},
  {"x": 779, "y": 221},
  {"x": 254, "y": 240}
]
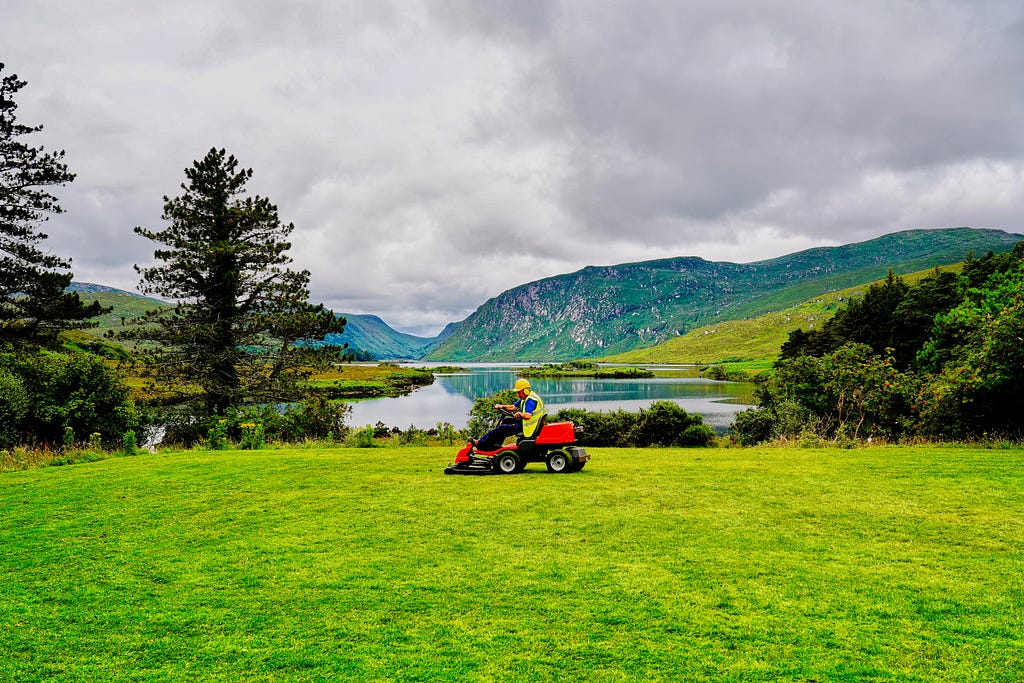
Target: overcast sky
[{"x": 434, "y": 153}]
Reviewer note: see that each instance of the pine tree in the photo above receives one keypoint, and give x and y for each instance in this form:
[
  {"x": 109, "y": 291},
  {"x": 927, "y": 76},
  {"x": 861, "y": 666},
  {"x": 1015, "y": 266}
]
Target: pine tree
[
  {"x": 241, "y": 318},
  {"x": 33, "y": 303}
]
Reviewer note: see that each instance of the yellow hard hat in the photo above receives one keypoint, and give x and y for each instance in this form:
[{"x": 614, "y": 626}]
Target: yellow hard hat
[{"x": 522, "y": 385}]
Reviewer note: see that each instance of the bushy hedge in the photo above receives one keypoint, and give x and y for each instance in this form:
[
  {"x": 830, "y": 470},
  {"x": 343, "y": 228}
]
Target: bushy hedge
[
  {"x": 59, "y": 399},
  {"x": 664, "y": 423},
  {"x": 14, "y": 404}
]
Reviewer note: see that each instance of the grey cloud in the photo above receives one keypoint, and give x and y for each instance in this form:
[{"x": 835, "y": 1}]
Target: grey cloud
[{"x": 432, "y": 154}]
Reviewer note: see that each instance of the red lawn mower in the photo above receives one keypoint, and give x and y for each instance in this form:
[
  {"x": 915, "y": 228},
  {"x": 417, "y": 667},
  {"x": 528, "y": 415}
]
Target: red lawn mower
[{"x": 555, "y": 446}]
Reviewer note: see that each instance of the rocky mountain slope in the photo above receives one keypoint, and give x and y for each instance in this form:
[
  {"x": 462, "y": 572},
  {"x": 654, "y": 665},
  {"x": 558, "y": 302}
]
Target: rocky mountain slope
[{"x": 603, "y": 310}]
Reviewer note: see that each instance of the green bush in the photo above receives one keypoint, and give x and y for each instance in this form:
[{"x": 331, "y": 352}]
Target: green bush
[
  {"x": 360, "y": 438},
  {"x": 315, "y": 418},
  {"x": 753, "y": 426},
  {"x": 76, "y": 393},
  {"x": 14, "y": 406},
  {"x": 698, "y": 434},
  {"x": 664, "y": 423}
]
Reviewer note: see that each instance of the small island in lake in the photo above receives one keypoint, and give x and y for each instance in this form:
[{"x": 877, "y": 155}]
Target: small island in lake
[{"x": 578, "y": 368}]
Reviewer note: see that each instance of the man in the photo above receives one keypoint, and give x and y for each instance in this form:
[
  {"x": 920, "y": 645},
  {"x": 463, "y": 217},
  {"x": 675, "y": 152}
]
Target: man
[{"x": 527, "y": 416}]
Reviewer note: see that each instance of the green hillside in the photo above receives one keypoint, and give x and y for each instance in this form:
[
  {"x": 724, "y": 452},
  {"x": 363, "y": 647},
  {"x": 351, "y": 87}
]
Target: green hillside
[
  {"x": 125, "y": 305},
  {"x": 753, "y": 341},
  {"x": 609, "y": 310}
]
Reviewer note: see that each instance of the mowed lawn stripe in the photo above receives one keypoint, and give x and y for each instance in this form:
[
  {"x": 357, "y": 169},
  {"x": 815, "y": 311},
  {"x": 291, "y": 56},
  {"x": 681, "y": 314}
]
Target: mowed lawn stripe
[{"x": 888, "y": 564}]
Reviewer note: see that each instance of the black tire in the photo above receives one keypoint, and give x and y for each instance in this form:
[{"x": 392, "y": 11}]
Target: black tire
[
  {"x": 559, "y": 462},
  {"x": 577, "y": 466},
  {"x": 507, "y": 463}
]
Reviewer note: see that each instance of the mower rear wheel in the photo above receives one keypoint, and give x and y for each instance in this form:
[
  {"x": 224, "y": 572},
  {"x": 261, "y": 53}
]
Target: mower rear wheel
[
  {"x": 506, "y": 463},
  {"x": 559, "y": 462}
]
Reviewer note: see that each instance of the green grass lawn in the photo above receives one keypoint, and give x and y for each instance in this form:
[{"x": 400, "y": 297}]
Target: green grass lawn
[{"x": 879, "y": 564}]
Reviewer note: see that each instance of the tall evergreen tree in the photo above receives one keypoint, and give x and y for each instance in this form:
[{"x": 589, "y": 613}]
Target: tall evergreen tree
[
  {"x": 236, "y": 334},
  {"x": 33, "y": 303}
]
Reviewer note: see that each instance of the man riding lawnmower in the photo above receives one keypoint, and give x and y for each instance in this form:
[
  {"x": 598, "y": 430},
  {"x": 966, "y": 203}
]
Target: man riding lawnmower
[
  {"x": 553, "y": 444},
  {"x": 527, "y": 416}
]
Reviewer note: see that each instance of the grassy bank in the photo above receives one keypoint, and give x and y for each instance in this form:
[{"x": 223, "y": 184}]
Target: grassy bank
[{"x": 884, "y": 564}]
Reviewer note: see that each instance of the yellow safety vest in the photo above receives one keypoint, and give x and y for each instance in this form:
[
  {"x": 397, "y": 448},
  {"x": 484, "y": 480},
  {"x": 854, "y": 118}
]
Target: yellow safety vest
[{"x": 531, "y": 426}]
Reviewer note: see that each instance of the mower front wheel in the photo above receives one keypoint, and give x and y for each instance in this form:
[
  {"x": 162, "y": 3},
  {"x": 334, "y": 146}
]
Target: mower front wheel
[
  {"x": 507, "y": 463},
  {"x": 559, "y": 462}
]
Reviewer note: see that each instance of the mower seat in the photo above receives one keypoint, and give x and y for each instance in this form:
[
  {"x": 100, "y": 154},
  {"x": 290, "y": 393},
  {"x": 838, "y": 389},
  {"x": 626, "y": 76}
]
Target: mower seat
[{"x": 526, "y": 445}]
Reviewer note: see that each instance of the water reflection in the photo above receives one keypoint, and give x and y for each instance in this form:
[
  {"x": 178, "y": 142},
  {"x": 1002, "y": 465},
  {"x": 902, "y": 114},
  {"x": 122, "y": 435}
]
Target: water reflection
[{"x": 450, "y": 397}]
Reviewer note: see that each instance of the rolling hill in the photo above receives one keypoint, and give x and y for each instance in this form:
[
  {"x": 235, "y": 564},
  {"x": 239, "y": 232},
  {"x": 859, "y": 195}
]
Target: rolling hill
[
  {"x": 607, "y": 310},
  {"x": 752, "y": 341}
]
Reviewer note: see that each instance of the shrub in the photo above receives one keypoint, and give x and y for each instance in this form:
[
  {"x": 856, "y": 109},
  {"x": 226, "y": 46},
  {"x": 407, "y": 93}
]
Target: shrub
[
  {"x": 14, "y": 406},
  {"x": 753, "y": 426},
  {"x": 360, "y": 438},
  {"x": 698, "y": 434},
  {"x": 73, "y": 391},
  {"x": 663, "y": 424},
  {"x": 252, "y": 437},
  {"x": 315, "y": 418},
  {"x": 217, "y": 436}
]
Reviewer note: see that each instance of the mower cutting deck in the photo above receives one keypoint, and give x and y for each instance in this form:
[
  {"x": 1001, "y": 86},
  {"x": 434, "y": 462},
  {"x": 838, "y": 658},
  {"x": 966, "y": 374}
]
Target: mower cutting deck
[{"x": 555, "y": 446}]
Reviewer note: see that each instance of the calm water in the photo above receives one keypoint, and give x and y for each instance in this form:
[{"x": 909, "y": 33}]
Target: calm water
[{"x": 450, "y": 397}]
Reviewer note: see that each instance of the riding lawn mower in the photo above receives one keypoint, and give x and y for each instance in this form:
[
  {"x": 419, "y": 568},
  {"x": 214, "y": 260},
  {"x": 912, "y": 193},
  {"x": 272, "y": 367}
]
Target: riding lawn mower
[{"x": 554, "y": 445}]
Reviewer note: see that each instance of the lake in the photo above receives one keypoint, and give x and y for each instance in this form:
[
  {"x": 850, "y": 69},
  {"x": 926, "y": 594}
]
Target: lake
[{"x": 450, "y": 397}]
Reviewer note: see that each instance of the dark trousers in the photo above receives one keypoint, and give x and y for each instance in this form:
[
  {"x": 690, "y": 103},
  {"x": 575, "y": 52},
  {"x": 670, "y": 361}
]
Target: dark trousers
[{"x": 492, "y": 440}]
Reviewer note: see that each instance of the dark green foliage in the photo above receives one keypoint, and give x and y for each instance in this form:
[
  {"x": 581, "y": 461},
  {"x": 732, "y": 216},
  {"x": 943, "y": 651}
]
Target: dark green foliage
[
  {"x": 314, "y": 418},
  {"x": 238, "y": 332},
  {"x": 849, "y": 393},
  {"x": 754, "y": 426},
  {"x": 977, "y": 357},
  {"x": 33, "y": 304},
  {"x": 664, "y": 423},
  {"x": 871, "y": 320},
  {"x": 14, "y": 404},
  {"x": 893, "y": 315},
  {"x": 71, "y": 397},
  {"x": 599, "y": 428},
  {"x": 957, "y": 369}
]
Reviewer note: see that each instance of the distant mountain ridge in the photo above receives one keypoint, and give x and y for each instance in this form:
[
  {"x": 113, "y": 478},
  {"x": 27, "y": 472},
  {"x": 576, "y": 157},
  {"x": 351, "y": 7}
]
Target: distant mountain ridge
[
  {"x": 603, "y": 310},
  {"x": 378, "y": 340},
  {"x": 93, "y": 288}
]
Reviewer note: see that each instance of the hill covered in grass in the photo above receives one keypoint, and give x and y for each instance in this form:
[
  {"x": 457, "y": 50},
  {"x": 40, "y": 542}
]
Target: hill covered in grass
[
  {"x": 125, "y": 305},
  {"x": 608, "y": 310},
  {"x": 752, "y": 343}
]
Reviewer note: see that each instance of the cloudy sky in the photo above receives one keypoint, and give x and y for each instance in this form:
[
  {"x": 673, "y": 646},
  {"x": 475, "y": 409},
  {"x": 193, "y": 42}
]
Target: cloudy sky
[{"x": 433, "y": 153}]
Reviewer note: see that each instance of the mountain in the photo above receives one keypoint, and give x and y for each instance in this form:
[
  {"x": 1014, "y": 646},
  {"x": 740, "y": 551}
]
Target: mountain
[
  {"x": 125, "y": 305},
  {"x": 604, "y": 310},
  {"x": 370, "y": 336}
]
